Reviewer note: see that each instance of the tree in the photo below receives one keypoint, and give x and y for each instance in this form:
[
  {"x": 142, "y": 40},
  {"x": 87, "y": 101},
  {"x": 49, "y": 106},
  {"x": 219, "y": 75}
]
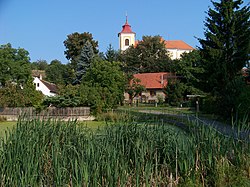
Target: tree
[
  {"x": 56, "y": 72},
  {"x": 74, "y": 44},
  {"x": 39, "y": 65},
  {"x": 84, "y": 61},
  {"x": 111, "y": 55},
  {"x": 134, "y": 88},
  {"x": 225, "y": 51},
  {"x": 14, "y": 95},
  {"x": 14, "y": 65},
  {"x": 149, "y": 55},
  {"x": 104, "y": 83}
]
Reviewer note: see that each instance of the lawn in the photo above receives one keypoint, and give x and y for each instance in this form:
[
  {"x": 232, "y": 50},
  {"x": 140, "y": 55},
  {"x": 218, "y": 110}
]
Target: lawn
[
  {"x": 5, "y": 126},
  {"x": 10, "y": 124}
]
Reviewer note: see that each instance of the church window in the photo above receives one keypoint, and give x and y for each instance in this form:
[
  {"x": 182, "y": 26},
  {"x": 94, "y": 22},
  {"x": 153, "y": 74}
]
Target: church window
[{"x": 127, "y": 42}]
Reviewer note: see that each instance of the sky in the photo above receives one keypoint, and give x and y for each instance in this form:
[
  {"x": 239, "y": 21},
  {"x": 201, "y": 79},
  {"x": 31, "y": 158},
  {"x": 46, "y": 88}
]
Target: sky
[{"x": 41, "y": 26}]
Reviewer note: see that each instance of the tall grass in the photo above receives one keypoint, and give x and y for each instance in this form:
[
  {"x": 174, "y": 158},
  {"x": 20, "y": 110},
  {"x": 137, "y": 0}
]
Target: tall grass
[{"x": 56, "y": 153}]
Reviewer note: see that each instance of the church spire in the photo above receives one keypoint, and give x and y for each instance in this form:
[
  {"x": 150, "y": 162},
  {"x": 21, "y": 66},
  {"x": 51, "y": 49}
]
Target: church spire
[{"x": 126, "y": 36}]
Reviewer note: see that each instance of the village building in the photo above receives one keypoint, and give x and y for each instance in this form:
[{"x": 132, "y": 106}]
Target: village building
[
  {"x": 175, "y": 48},
  {"x": 154, "y": 84},
  {"x": 47, "y": 88}
]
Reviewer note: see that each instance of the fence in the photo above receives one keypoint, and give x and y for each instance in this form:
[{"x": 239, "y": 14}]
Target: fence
[{"x": 50, "y": 112}]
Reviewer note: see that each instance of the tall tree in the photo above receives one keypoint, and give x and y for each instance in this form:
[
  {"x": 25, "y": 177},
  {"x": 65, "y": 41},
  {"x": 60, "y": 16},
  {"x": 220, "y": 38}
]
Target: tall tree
[
  {"x": 14, "y": 65},
  {"x": 105, "y": 84},
  {"x": 149, "y": 55},
  {"x": 225, "y": 50},
  {"x": 74, "y": 44},
  {"x": 83, "y": 61}
]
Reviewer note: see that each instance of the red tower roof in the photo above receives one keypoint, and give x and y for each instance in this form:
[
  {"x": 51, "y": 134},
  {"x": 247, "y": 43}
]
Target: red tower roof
[{"x": 126, "y": 28}]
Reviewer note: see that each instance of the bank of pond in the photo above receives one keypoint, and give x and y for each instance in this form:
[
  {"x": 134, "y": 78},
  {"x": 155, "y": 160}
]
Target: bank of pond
[{"x": 122, "y": 153}]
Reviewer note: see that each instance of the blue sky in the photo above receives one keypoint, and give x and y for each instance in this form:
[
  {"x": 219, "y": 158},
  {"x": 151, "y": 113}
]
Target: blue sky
[{"x": 41, "y": 26}]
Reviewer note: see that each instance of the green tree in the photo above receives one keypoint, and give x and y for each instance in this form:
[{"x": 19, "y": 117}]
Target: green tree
[
  {"x": 74, "y": 44},
  {"x": 225, "y": 50},
  {"x": 39, "y": 65},
  {"x": 14, "y": 65},
  {"x": 56, "y": 72},
  {"x": 111, "y": 55},
  {"x": 149, "y": 55},
  {"x": 105, "y": 84},
  {"x": 13, "y": 95},
  {"x": 134, "y": 88},
  {"x": 83, "y": 62}
]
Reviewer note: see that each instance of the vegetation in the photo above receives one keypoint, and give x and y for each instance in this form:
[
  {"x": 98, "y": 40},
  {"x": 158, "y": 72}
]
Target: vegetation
[
  {"x": 14, "y": 66},
  {"x": 225, "y": 51},
  {"x": 54, "y": 153},
  {"x": 149, "y": 55}
]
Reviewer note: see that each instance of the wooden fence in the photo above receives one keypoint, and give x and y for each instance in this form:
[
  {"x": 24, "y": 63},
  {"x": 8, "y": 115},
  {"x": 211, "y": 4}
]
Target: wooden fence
[{"x": 68, "y": 112}]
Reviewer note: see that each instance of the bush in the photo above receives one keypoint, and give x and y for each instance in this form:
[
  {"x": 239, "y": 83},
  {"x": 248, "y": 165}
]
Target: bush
[{"x": 2, "y": 118}]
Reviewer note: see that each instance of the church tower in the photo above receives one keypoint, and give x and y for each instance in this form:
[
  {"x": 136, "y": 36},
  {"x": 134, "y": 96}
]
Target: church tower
[{"x": 126, "y": 36}]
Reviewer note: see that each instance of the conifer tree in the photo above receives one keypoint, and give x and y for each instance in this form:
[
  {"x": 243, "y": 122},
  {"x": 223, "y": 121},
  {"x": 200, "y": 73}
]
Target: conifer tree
[
  {"x": 83, "y": 62},
  {"x": 225, "y": 49},
  {"x": 224, "y": 52}
]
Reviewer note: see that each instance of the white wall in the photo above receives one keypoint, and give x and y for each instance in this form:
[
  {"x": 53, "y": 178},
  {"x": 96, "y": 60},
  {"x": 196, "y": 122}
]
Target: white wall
[
  {"x": 176, "y": 53},
  {"x": 123, "y": 37},
  {"x": 41, "y": 87}
]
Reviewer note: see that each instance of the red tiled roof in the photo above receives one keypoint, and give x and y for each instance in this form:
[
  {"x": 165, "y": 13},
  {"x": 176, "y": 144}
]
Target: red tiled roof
[
  {"x": 177, "y": 44},
  {"x": 52, "y": 87},
  {"x": 126, "y": 28},
  {"x": 173, "y": 44},
  {"x": 153, "y": 80}
]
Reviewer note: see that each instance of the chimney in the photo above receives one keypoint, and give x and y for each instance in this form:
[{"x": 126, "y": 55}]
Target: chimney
[{"x": 40, "y": 77}]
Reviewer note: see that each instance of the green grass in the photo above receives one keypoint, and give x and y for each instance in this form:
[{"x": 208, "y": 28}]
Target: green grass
[{"x": 4, "y": 126}]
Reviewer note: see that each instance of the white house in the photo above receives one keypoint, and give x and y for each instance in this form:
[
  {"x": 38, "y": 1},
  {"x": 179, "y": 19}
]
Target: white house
[{"x": 45, "y": 87}]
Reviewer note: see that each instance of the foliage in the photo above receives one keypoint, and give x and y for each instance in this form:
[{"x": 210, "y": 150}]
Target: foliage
[
  {"x": 74, "y": 44},
  {"x": 225, "y": 50},
  {"x": 84, "y": 61},
  {"x": 13, "y": 95},
  {"x": 56, "y": 72},
  {"x": 68, "y": 97},
  {"x": 111, "y": 55},
  {"x": 14, "y": 65},
  {"x": 107, "y": 82},
  {"x": 134, "y": 88},
  {"x": 56, "y": 153},
  {"x": 149, "y": 55},
  {"x": 39, "y": 65}
]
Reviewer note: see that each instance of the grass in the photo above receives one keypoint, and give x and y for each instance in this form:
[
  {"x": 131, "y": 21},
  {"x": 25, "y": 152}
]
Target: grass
[{"x": 5, "y": 125}]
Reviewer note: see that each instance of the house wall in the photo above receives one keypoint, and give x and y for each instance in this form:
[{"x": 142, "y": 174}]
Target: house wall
[
  {"x": 176, "y": 53},
  {"x": 41, "y": 87},
  {"x": 147, "y": 96}
]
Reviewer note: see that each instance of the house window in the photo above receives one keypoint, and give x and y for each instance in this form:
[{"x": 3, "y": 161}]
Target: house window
[
  {"x": 126, "y": 42},
  {"x": 152, "y": 93},
  {"x": 37, "y": 85}
]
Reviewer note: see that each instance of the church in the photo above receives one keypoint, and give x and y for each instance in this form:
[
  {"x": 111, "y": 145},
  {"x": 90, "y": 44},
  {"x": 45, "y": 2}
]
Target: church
[
  {"x": 175, "y": 47},
  {"x": 154, "y": 83}
]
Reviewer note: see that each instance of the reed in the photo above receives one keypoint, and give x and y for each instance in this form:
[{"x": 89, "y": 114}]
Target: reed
[{"x": 55, "y": 153}]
